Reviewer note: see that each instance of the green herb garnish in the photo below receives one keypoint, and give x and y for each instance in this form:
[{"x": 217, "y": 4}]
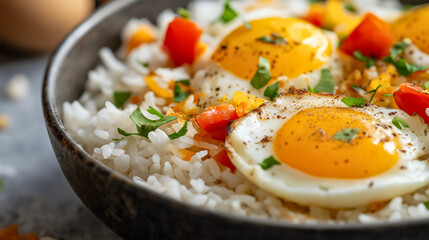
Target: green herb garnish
[
  {"x": 275, "y": 39},
  {"x": 120, "y": 98},
  {"x": 310, "y": 89},
  {"x": 350, "y": 7},
  {"x": 272, "y": 91},
  {"x": 144, "y": 125},
  {"x": 181, "y": 132},
  {"x": 402, "y": 66},
  {"x": 269, "y": 163},
  {"x": 229, "y": 13},
  {"x": 368, "y": 61},
  {"x": 262, "y": 75},
  {"x": 342, "y": 37},
  {"x": 373, "y": 92},
  {"x": 388, "y": 95},
  {"x": 426, "y": 204},
  {"x": 326, "y": 83},
  {"x": 185, "y": 82},
  {"x": 354, "y": 102},
  {"x": 179, "y": 95},
  {"x": 347, "y": 134},
  {"x": 144, "y": 64},
  {"x": 399, "y": 123},
  {"x": 355, "y": 87},
  {"x": 183, "y": 13},
  {"x": 426, "y": 85},
  {"x": 406, "y": 7}
]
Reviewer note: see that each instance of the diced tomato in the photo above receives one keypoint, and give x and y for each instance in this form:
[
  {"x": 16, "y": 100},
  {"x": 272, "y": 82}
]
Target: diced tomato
[
  {"x": 315, "y": 15},
  {"x": 181, "y": 41},
  {"x": 412, "y": 99},
  {"x": 216, "y": 119},
  {"x": 222, "y": 158},
  {"x": 372, "y": 37}
]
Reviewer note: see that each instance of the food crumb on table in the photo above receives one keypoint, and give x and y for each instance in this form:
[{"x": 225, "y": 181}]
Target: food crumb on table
[{"x": 17, "y": 88}]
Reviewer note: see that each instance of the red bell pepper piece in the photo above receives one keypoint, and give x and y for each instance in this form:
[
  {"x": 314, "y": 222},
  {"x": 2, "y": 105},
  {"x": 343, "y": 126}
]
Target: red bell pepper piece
[
  {"x": 181, "y": 41},
  {"x": 222, "y": 158},
  {"x": 216, "y": 119},
  {"x": 412, "y": 99},
  {"x": 372, "y": 37}
]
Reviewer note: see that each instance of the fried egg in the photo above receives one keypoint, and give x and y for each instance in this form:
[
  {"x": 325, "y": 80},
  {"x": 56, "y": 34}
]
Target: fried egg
[
  {"x": 316, "y": 168},
  {"x": 297, "y": 61}
]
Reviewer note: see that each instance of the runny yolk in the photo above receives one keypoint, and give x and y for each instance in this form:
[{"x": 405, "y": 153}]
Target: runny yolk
[
  {"x": 302, "y": 47},
  {"x": 306, "y": 143}
]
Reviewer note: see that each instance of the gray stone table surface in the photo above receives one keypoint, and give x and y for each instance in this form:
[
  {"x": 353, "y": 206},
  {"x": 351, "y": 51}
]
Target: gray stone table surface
[{"x": 36, "y": 194}]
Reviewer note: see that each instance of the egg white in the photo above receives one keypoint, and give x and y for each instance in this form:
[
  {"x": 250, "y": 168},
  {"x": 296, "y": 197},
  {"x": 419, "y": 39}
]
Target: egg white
[{"x": 247, "y": 151}]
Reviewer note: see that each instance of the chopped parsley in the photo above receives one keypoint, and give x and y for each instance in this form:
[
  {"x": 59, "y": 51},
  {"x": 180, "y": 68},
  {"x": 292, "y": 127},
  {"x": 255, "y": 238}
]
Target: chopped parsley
[
  {"x": 262, "y": 75},
  {"x": 354, "y": 102},
  {"x": 179, "y": 95},
  {"x": 229, "y": 13},
  {"x": 144, "y": 64},
  {"x": 326, "y": 83},
  {"x": 402, "y": 66},
  {"x": 269, "y": 163},
  {"x": 181, "y": 132},
  {"x": 185, "y": 82},
  {"x": 399, "y": 123},
  {"x": 347, "y": 134},
  {"x": 341, "y": 38},
  {"x": 183, "y": 13},
  {"x": 426, "y": 85},
  {"x": 350, "y": 7},
  {"x": 355, "y": 87},
  {"x": 310, "y": 89},
  {"x": 120, "y": 98},
  {"x": 368, "y": 61},
  {"x": 373, "y": 92},
  {"x": 145, "y": 126},
  {"x": 275, "y": 39},
  {"x": 426, "y": 204},
  {"x": 272, "y": 91}
]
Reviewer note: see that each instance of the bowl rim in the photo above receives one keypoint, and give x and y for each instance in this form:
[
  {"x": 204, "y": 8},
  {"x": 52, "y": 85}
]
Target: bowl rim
[{"x": 57, "y": 127}]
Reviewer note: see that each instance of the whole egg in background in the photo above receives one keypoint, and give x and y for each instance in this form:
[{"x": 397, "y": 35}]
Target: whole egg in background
[{"x": 39, "y": 26}]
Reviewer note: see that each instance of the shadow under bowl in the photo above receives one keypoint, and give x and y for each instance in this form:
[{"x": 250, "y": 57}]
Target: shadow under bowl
[{"x": 135, "y": 212}]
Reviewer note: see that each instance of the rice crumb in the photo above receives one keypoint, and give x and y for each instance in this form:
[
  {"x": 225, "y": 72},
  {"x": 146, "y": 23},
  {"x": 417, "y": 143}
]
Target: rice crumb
[{"x": 17, "y": 87}]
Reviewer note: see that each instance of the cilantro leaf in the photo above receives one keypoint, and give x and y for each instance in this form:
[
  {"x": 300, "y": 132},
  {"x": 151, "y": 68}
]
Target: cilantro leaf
[
  {"x": 368, "y": 61},
  {"x": 262, "y": 75},
  {"x": 229, "y": 13},
  {"x": 144, "y": 64},
  {"x": 275, "y": 39},
  {"x": 120, "y": 98},
  {"x": 310, "y": 89},
  {"x": 179, "y": 96},
  {"x": 399, "y": 123},
  {"x": 144, "y": 125},
  {"x": 354, "y": 102},
  {"x": 181, "y": 132},
  {"x": 350, "y": 7},
  {"x": 402, "y": 66},
  {"x": 269, "y": 163},
  {"x": 373, "y": 92},
  {"x": 426, "y": 204},
  {"x": 326, "y": 83},
  {"x": 183, "y": 13},
  {"x": 272, "y": 91},
  {"x": 185, "y": 82},
  {"x": 355, "y": 87},
  {"x": 347, "y": 134}
]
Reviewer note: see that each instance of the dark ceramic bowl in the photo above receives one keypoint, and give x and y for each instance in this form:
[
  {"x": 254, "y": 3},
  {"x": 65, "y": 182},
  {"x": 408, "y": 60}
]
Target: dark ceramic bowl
[{"x": 135, "y": 212}]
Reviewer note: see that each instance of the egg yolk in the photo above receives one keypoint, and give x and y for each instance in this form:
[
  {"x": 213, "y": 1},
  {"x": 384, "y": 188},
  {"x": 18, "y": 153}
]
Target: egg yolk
[
  {"x": 306, "y": 142},
  {"x": 414, "y": 25},
  {"x": 292, "y": 46}
]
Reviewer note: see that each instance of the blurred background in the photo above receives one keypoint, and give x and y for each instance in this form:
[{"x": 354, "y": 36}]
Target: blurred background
[{"x": 34, "y": 193}]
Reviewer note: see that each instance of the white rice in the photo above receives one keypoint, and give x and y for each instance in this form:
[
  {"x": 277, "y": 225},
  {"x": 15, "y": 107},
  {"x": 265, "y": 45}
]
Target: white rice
[{"x": 156, "y": 162}]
